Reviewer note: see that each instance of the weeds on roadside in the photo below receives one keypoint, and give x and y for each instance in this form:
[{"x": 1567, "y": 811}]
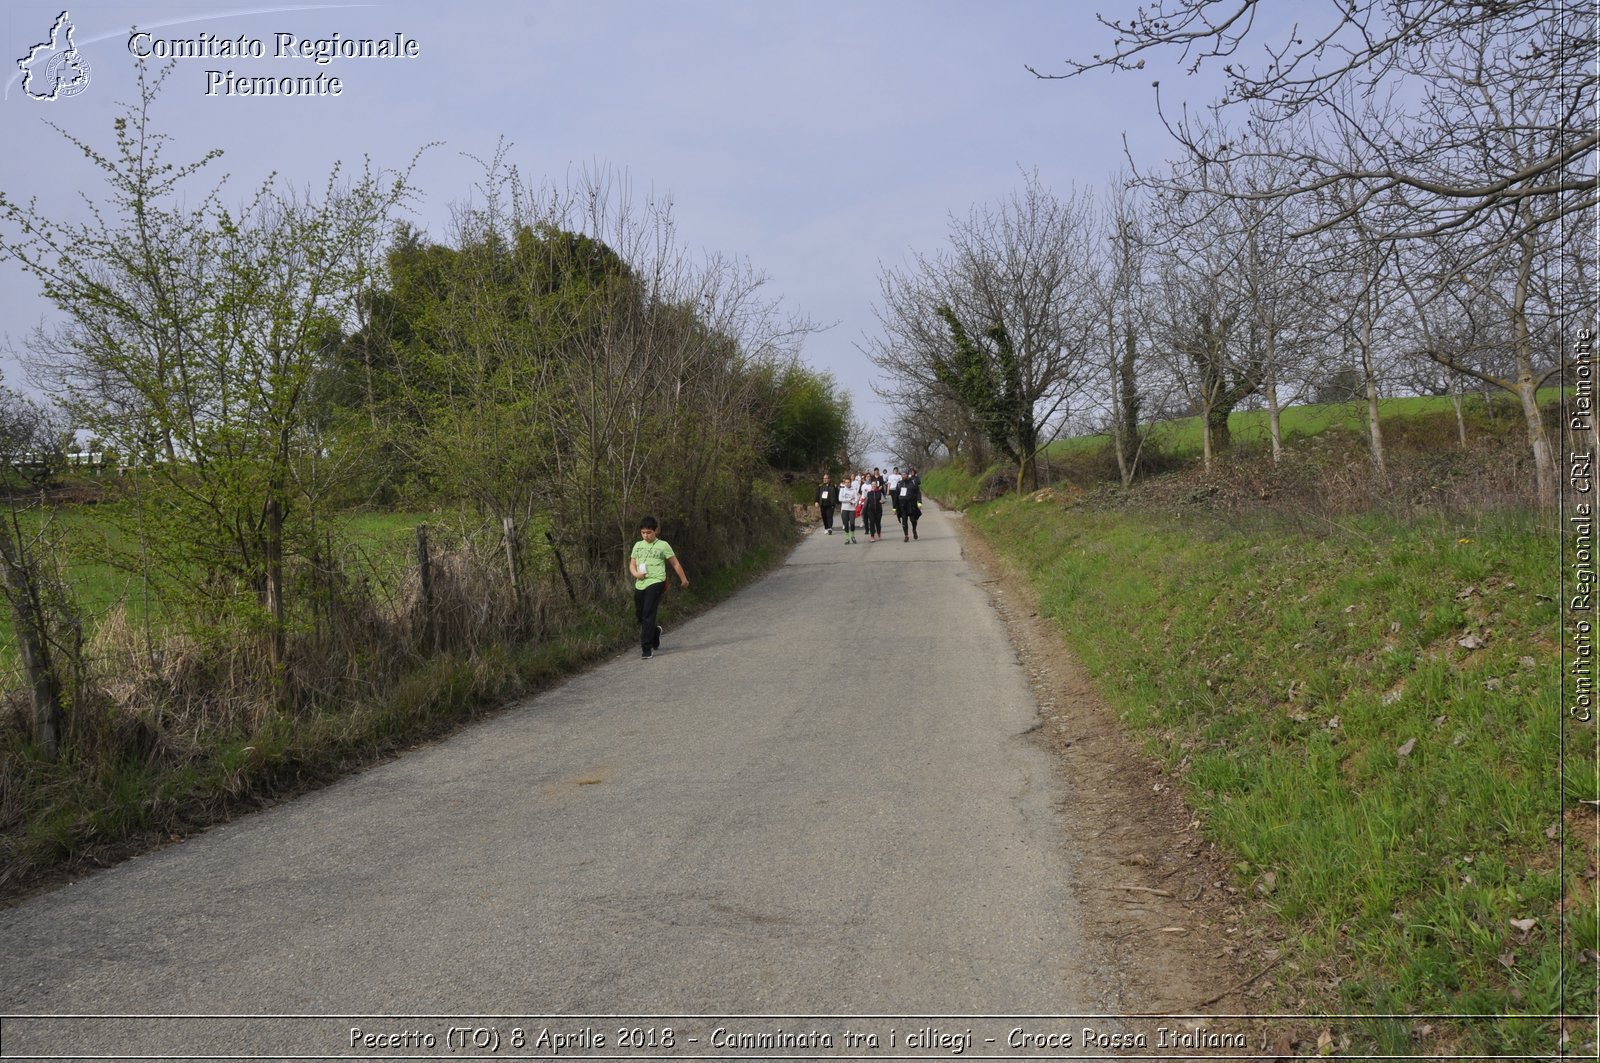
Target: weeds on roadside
[
  {"x": 171, "y": 734},
  {"x": 1369, "y": 719}
]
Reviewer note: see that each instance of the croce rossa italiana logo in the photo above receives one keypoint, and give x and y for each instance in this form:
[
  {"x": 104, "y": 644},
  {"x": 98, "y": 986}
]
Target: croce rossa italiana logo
[{"x": 55, "y": 69}]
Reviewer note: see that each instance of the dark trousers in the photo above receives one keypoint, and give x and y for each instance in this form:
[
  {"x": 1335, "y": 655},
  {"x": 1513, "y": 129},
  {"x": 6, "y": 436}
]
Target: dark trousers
[
  {"x": 827, "y": 515},
  {"x": 908, "y": 519},
  {"x": 645, "y": 604}
]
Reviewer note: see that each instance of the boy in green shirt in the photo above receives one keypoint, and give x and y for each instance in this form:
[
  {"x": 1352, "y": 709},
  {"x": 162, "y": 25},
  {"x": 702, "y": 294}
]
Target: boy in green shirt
[{"x": 647, "y": 564}]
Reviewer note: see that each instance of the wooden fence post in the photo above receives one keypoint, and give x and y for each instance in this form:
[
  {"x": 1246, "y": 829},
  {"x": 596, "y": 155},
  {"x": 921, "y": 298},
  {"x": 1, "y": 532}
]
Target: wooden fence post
[
  {"x": 509, "y": 525},
  {"x": 426, "y": 571},
  {"x": 562, "y": 565}
]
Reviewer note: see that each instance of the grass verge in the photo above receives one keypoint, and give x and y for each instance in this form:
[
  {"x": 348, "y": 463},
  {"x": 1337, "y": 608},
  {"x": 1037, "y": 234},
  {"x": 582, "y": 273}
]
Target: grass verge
[
  {"x": 65, "y": 817},
  {"x": 1370, "y": 723}
]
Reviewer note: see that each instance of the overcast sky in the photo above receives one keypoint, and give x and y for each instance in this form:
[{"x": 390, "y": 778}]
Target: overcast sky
[{"x": 818, "y": 140}]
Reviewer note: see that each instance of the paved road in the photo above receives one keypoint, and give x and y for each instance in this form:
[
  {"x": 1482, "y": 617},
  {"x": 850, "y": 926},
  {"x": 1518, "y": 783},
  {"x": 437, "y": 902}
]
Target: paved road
[{"x": 818, "y": 799}]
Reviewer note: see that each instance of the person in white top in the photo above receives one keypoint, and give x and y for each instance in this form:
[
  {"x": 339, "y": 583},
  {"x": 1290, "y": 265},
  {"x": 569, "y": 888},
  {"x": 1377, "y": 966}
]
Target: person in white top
[{"x": 849, "y": 495}]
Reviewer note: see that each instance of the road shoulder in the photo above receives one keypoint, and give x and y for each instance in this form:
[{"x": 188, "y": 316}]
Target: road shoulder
[{"x": 1153, "y": 890}]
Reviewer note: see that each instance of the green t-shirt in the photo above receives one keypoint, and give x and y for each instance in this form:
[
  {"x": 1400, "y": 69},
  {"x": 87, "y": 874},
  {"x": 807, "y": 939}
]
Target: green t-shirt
[{"x": 652, "y": 557}]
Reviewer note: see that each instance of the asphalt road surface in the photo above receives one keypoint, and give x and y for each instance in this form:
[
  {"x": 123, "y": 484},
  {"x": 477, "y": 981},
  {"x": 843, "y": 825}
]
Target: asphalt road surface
[{"x": 820, "y": 799}]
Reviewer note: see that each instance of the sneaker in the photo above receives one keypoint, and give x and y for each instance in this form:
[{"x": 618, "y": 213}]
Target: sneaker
[{"x": 646, "y": 655}]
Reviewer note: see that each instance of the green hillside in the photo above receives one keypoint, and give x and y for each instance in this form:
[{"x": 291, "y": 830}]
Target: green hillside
[{"x": 1364, "y": 709}]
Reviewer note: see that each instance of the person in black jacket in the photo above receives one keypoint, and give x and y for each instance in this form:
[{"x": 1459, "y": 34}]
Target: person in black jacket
[
  {"x": 872, "y": 507},
  {"x": 908, "y": 497},
  {"x": 827, "y": 498}
]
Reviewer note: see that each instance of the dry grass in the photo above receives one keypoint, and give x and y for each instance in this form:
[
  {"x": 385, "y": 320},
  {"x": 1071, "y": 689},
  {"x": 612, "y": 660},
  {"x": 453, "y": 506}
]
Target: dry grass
[
  {"x": 173, "y": 727},
  {"x": 1332, "y": 475}
]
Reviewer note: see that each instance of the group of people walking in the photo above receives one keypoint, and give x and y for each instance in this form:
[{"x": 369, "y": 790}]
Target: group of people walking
[
  {"x": 859, "y": 498},
  {"x": 856, "y": 498}
]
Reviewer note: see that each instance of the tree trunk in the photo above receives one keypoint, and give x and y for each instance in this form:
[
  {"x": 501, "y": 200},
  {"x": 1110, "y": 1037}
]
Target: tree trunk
[
  {"x": 21, "y": 589},
  {"x": 1130, "y": 409},
  {"x": 277, "y": 635},
  {"x": 1527, "y": 389},
  {"x": 1544, "y": 460},
  {"x": 1114, "y": 378},
  {"x": 1218, "y": 435},
  {"x": 1374, "y": 426},
  {"x": 1274, "y": 420},
  {"x": 1028, "y": 465}
]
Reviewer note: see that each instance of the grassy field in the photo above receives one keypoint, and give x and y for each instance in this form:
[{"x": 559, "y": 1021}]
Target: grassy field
[
  {"x": 93, "y": 558},
  {"x": 1367, "y": 717},
  {"x": 91, "y": 808}
]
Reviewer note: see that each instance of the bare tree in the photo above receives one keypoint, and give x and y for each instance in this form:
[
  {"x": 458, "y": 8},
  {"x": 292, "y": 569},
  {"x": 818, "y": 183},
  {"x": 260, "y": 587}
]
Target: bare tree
[
  {"x": 1205, "y": 325},
  {"x": 1518, "y": 247},
  {"x": 1001, "y": 321},
  {"x": 925, "y": 427},
  {"x": 1431, "y": 156},
  {"x": 1358, "y": 269},
  {"x": 861, "y": 442},
  {"x": 1426, "y": 119},
  {"x": 1274, "y": 277},
  {"x": 1357, "y": 315},
  {"x": 1135, "y": 387}
]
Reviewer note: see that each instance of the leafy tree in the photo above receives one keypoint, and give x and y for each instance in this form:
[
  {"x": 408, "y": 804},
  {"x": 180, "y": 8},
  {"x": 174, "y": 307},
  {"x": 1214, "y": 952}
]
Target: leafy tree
[
  {"x": 987, "y": 378},
  {"x": 451, "y": 383},
  {"x": 193, "y": 335},
  {"x": 40, "y": 615},
  {"x": 810, "y": 420},
  {"x": 559, "y": 356}
]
